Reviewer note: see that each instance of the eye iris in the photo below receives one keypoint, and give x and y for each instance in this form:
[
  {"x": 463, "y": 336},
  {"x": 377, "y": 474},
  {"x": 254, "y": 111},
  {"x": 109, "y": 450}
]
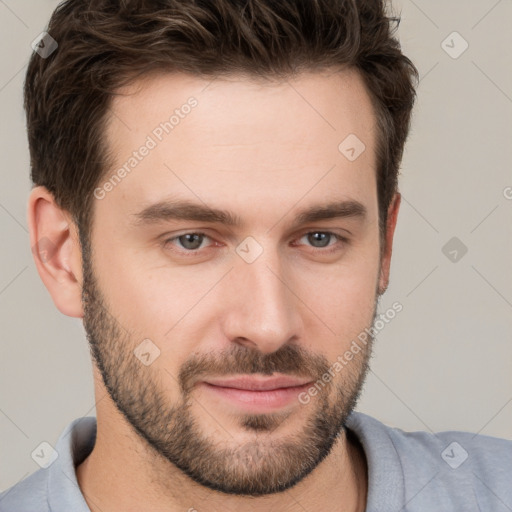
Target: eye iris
[
  {"x": 323, "y": 238},
  {"x": 194, "y": 243}
]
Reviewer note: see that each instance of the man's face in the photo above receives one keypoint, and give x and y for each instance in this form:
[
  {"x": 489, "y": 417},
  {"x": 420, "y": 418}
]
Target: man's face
[{"x": 171, "y": 303}]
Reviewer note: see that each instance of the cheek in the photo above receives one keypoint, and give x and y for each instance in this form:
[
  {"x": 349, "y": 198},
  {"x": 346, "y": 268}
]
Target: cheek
[
  {"x": 133, "y": 291},
  {"x": 342, "y": 299},
  {"x": 153, "y": 299}
]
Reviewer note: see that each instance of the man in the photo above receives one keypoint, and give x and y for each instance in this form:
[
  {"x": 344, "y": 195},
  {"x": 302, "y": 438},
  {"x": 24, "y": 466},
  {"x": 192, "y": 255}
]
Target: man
[{"x": 216, "y": 196}]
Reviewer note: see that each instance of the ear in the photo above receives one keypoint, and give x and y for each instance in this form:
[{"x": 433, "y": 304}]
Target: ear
[
  {"x": 56, "y": 250},
  {"x": 387, "y": 250}
]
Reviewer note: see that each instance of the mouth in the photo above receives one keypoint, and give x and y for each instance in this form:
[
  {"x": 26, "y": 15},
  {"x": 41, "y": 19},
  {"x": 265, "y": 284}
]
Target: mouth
[
  {"x": 254, "y": 383},
  {"x": 257, "y": 394}
]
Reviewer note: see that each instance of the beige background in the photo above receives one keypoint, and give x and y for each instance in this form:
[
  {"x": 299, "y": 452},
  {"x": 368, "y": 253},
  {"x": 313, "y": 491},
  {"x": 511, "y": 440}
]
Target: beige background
[{"x": 444, "y": 362}]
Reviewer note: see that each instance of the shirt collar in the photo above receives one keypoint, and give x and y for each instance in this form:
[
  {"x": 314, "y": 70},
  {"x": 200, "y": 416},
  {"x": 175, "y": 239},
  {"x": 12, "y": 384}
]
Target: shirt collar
[{"x": 386, "y": 486}]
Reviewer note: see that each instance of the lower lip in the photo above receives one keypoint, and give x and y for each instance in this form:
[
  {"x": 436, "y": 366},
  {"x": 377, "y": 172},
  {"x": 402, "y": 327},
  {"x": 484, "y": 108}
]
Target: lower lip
[{"x": 257, "y": 400}]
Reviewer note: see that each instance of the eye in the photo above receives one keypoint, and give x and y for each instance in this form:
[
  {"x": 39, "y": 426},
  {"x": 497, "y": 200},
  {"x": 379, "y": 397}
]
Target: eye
[
  {"x": 190, "y": 242},
  {"x": 321, "y": 239}
]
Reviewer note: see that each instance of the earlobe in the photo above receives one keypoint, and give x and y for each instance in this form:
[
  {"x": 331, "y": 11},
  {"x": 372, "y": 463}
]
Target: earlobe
[
  {"x": 56, "y": 251},
  {"x": 390, "y": 230}
]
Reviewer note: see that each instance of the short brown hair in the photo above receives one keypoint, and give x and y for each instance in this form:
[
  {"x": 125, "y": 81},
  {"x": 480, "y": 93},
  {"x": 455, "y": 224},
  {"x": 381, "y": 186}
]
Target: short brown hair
[{"x": 105, "y": 44}]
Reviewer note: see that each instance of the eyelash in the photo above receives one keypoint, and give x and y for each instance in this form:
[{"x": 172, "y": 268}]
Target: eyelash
[{"x": 195, "y": 252}]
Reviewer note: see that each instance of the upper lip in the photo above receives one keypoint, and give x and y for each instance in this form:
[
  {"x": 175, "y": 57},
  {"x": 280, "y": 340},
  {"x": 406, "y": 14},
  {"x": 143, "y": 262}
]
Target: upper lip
[{"x": 258, "y": 383}]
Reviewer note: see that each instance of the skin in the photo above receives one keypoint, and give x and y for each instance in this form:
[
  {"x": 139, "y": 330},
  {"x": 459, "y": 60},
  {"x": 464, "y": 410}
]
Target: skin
[{"x": 264, "y": 151}]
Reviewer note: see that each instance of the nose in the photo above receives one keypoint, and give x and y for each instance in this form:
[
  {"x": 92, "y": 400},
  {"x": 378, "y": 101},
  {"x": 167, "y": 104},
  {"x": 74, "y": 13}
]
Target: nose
[{"x": 263, "y": 311}]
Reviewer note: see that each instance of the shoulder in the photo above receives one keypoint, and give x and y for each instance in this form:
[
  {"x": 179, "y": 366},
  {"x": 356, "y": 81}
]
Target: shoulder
[
  {"x": 483, "y": 455},
  {"x": 449, "y": 467},
  {"x": 475, "y": 464},
  {"x": 451, "y": 446},
  {"x": 54, "y": 487},
  {"x": 28, "y": 495}
]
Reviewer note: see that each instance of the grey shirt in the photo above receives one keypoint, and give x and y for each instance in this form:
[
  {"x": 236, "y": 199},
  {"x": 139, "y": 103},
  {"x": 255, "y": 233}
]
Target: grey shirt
[{"x": 407, "y": 471}]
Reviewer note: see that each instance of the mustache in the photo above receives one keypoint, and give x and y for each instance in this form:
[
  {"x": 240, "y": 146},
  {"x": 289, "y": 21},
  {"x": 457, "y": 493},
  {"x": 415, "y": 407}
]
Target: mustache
[{"x": 289, "y": 359}]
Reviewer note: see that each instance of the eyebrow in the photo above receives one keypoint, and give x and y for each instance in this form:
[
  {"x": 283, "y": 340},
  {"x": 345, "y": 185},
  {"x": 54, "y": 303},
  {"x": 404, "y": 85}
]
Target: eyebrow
[{"x": 186, "y": 210}]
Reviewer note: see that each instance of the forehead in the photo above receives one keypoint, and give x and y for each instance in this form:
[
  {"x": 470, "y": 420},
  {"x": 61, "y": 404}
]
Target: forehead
[{"x": 242, "y": 143}]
